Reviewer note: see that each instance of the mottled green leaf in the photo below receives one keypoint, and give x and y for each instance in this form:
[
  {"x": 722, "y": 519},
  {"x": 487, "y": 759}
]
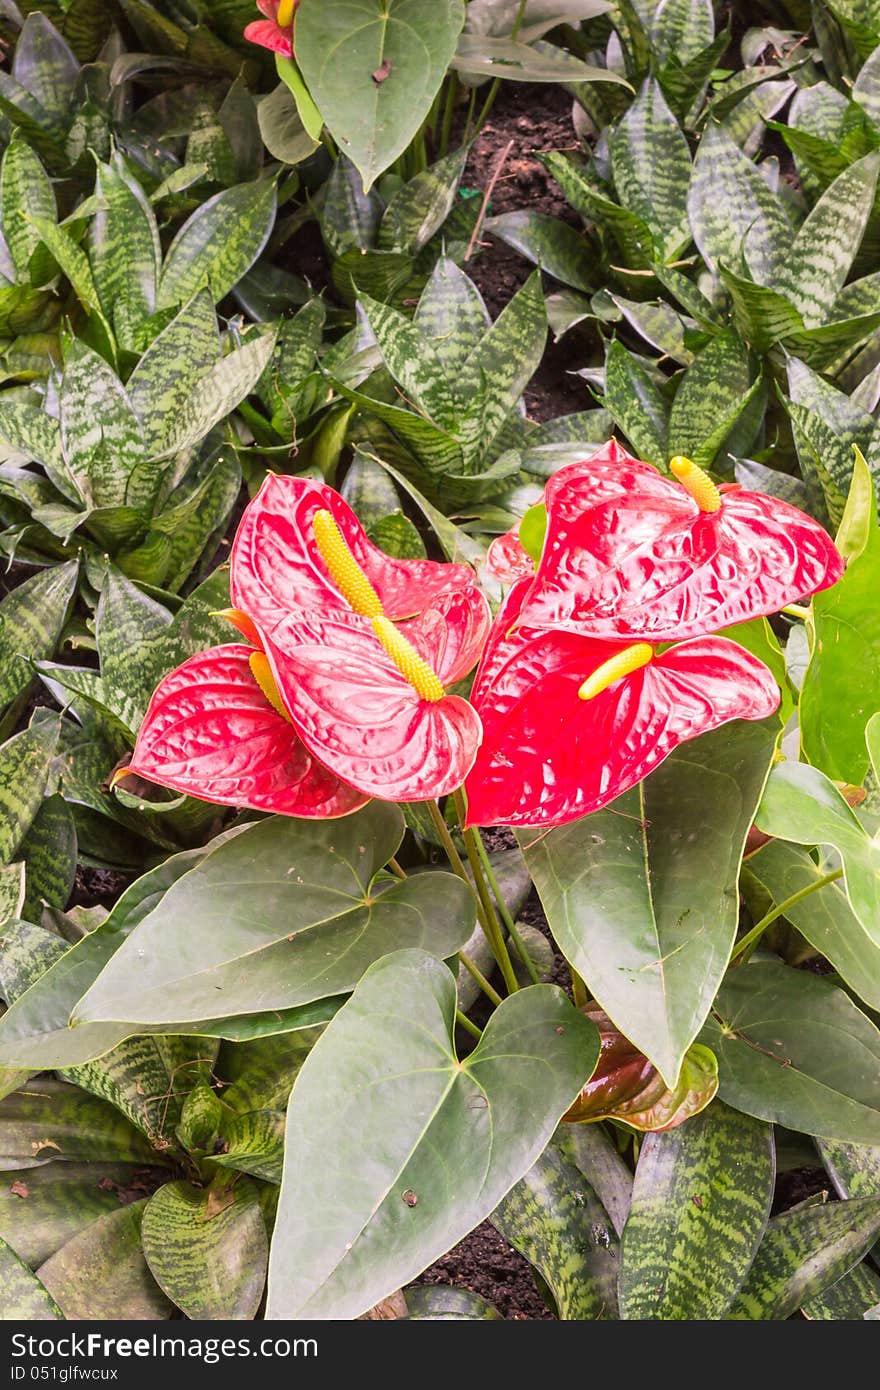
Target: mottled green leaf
[
  {"x": 420, "y": 208},
  {"x": 25, "y": 761},
  {"x": 49, "y": 850},
  {"x": 762, "y": 316},
  {"x": 634, "y": 400},
  {"x": 100, "y": 432},
  {"x": 549, "y": 243},
  {"x": 700, "y": 1205},
  {"x": 25, "y": 193},
  {"x": 219, "y": 243},
  {"x": 652, "y": 944},
  {"x": 554, "y": 1218},
  {"x": 631, "y": 232},
  {"x": 441, "y": 1302},
  {"x": 506, "y": 359},
  {"x": 712, "y": 394},
  {"x": 42, "y": 1208},
  {"x": 729, "y": 199},
  {"x": 793, "y": 1048},
  {"x": 162, "y": 383},
  {"x": 651, "y": 165},
  {"x": 124, "y": 251},
  {"x": 24, "y": 1296},
  {"x": 804, "y": 1252},
  {"x": 412, "y": 362},
  {"x": 446, "y": 1136},
  {"x": 849, "y": 1298},
  {"x": 47, "y": 1121},
  {"x": 207, "y": 1249},
  {"x": 32, "y": 618}
]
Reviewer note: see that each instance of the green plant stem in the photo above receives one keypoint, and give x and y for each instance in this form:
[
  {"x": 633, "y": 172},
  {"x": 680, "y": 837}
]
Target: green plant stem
[
  {"x": 578, "y": 989},
  {"x": 464, "y": 1022},
  {"x": 468, "y": 132},
  {"x": 745, "y": 947},
  {"x": 490, "y": 923},
  {"x": 796, "y": 610},
  {"x": 447, "y": 841},
  {"x": 476, "y": 973},
  {"x": 504, "y": 911},
  {"x": 496, "y": 83},
  {"x": 395, "y": 868}
]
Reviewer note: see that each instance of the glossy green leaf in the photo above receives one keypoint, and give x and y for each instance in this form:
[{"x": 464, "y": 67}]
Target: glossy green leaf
[
  {"x": 219, "y": 243},
  {"x": 841, "y": 689},
  {"x": 299, "y": 925},
  {"x": 854, "y": 1169},
  {"x": 282, "y": 129},
  {"x": 801, "y": 804},
  {"x": 24, "y": 1296},
  {"x": 634, "y": 400},
  {"x": 731, "y": 208},
  {"x": 658, "y": 323},
  {"x": 824, "y": 916},
  {"x": 478, "y": 55},
  {"x": 554, "y": 1218},
  {"x": 803, "y": 1253},
  {"x": 441, "y": 1302},
  {"x": 341, "y": 44},
  {"x": 101, "y": 1271},
  {"x": 32, "y": 618},
  {"x": 446, "y": 1137},
  {"x": 849, "y": 1298},
  {"x": 651, "y": 165},
  {"x": 793, "y": 1048},
  {"x": 650, "y": 936},
  {"x": 700, "y": 1205},
  {"x": 309, "y": 114},
  {"x": 207, "y": 1248}
]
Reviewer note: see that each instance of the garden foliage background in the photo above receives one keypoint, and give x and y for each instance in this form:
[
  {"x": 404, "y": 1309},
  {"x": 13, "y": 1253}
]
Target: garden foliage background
[{"x": 214, "y": 265}]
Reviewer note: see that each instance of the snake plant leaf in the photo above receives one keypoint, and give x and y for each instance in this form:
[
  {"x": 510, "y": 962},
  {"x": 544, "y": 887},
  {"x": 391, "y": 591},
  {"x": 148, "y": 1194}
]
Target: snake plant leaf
[
  {"x": 12, "y": 890},
  {"x": 418, "y": 209},
  {"x": 413, "y": 364},
  {"x": 24, "y": 1296},
  {"x": 349, "y": 217},
  {"x": 220, "y": 389},
  {"x": 25, "y": 762},
  {"x": 651, "y": 166},
  {"x": 630, "y": 231},
  {"x": 48, "y": 1121},
  {"x": 46, "y": 66},
  {"x": 100, "y": 433},
  {"x": 341, "y": 44},
  {"x": 762, "y": 316},
  {"x": 125, "y": 252},
  {"x": 32, "y": 619},
  {"x": 305, "y": 889},
  {"x": 803, "y": 805},
  {"x": 101, "y": 1271},
  {"x": 823, "y": 916},
  {"x": 49, "y": 850},
  {"x": 835, "y": 423},
  {"x": 505, "y": 359},
  {"x": 590, "y": 1150},
  {"x": 481, "y": 56},
  {"x": 854, "y": 1169},
  {"x": 207, "y": 1248},
  {"x": 793, "y": 1048},
  {"x": 658, "y": 323},
  {"x": 162, "y": 383},
  {"x": 42, "y": 1208},
  {"x": 129, "y": 626},
  {"x": 713, "y": 393},
  {"x": 446, "y": 1136},
  {"x": 74, "y": 262},
  {"x": 803, "y": 1253},
  {"x": 825, "y": 247},
  {"x": 849, "y": 1298},
  {"x": 652, "y": 946},
  {"x": 634, "y": 400},
  {"x": 219, "y": 243},
  {"x": 700, "y": 1205},
  {"x": 547, "y": 242},
  {"x": 841, "y": 688},
  {"x": 553, "y": 1217},
  {"x": 441, "y": 1302},
  {"x": 729, "y": 199},
  {"x": 681, "y": 29},
  {"x": 26, "y": 193}
]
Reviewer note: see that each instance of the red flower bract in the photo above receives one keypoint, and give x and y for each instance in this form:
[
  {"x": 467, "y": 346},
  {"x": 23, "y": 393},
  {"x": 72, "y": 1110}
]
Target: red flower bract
[
  {"x": 630, "y": 554},
  {"x": 211, "y": 732},
  {"x": 276, "y": 30},
  {"x": 361, "y": 646},
  {"x": 552, "y": 753}
]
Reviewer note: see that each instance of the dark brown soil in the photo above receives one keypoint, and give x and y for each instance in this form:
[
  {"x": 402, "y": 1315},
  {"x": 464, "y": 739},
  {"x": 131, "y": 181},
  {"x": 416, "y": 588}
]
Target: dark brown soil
[
  {"x": 797, "y": 1184},
  {"x": 484, "y": 1263},
  {"x": 97, "y": 887}
]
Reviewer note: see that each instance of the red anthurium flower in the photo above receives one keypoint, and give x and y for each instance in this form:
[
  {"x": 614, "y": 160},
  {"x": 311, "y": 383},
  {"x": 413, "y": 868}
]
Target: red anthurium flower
[
  {"x": 212, "y": 732},
  {"x": 632, "y": 554},
  {"x": 276, "y": 30},
  {"x": 570, "y": 722},
  {"x": 362, "y": 647}
]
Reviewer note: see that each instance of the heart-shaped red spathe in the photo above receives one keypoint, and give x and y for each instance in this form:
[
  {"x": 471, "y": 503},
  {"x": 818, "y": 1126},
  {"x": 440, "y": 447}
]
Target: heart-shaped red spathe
[
  {"x": 211, "y": 732},
  {"x": 361, "y": 717},
  {"x": 628, "y": 554},
  {"x": 268, "y": 33},
  {"x": 548, "y": 757},
  {"x": 277, "y": 565}
]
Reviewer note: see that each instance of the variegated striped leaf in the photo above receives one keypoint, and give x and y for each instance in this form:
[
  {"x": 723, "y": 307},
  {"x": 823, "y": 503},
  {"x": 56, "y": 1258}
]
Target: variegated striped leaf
[
  {"x": 24, "y": 1296},
  {"x": 727, "y": 199},
  {"x": 634, "y": 400},
  {"x": 32, "y": 618},
  {"x": 219, "y": 243},
  {"x": 651, "y": 165}
]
